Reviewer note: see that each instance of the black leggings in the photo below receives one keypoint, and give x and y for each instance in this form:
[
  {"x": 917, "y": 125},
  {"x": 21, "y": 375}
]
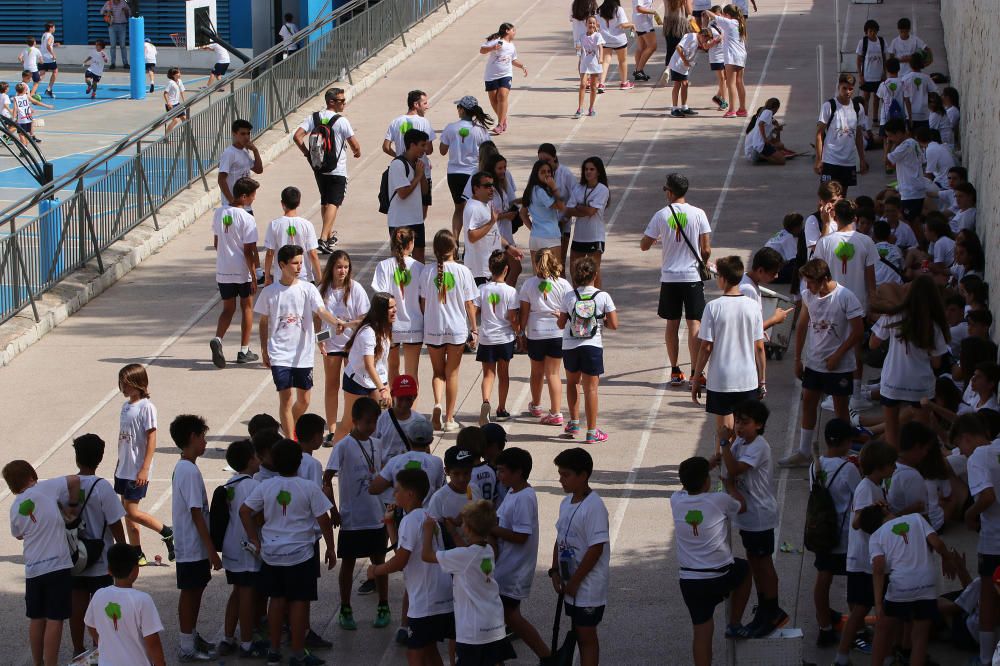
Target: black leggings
[{"x": 672, "y": 43}]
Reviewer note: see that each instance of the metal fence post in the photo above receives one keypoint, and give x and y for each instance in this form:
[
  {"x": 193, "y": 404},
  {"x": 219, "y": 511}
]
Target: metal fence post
[{"x": 399, "y": 23}]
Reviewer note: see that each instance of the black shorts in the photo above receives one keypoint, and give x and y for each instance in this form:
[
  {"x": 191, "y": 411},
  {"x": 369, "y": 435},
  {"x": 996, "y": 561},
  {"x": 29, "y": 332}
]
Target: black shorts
[
  {"x": 230, "y": 290},
  {"x": 922, "y": 609},
  {"x": 129, "y": 491},
  {"x": 243, "y": 578},
  {"x": 91, "y": 584},
  {"x": 427, "y": 198},
  {"x": 717, "y": 66},
  {"x": 35, "y": 76},
  {"x": 892, "y": 402},
  {"x": 702, "y": 595},
  {"x": 495, "y": 353},
  {"x": 860, "y": 590},
  {"x": 722, "y": 403},
  {"x": 150, "y": 66},
  {"x": 96, "y": 78},
  {"x": 616, "y": 48},
  {"x": 361, "y": 544},
  {"x": 677, "y": 76},
  {"x": 293, "y": 583},
  {"x": 987, "y": 564},
  {"x": 596, "y": 247},
  {"x": 288, "y": 378},
  {"x": 419, "y": 234},
  {"x": 845, "y": 175},
  {"x": 834, "y": 563},
  {"x": 424, "y": 631},
  {"x": 497, "y": 84},
  {"x": 332, "y": 189},
  {"x": 510, "y": 603},
  {"x": 539, "y": 350},
  {"x": 25, "y": 127},
  {"x": 677, "y": 298},
  {"x": 219, "y": 69},
  {"x": 869, "y": 86},
  {"x": 48, "y": 66},
  {"x": 584, "y": 616},
  {"x": 168, "y": 108},
  {"x": 193, "y": 575},
  {"x": 917, "y": 124},
  {"x": 587, "y": 359},
  {"x": 640, "y": 33},
  {"x": 456, "y": 185},
  {"x": 911, "y": 208},
  {"x": 49, "y": 596},
  {"x": 758, "y": 544},
  {"x": 487, "y": 654},
  {"x": 830, "y": 383},
  {"x": 354, "y": 387}
]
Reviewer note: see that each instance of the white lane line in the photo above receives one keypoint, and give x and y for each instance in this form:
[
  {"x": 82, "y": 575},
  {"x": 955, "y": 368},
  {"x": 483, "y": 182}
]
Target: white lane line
[{"x": 792, "y": 443}]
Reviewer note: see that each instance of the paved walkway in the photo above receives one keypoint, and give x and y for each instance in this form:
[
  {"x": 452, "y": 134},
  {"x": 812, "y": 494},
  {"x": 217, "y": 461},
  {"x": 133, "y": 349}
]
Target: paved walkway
[{"x": 164, "y": 313}]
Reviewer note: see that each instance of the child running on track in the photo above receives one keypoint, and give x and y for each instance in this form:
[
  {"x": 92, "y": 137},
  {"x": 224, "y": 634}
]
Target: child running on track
[{"x": 500, "y": 71}]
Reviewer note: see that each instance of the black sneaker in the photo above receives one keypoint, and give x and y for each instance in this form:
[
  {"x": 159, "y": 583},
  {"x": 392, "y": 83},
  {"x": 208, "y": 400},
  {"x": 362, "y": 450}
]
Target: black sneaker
[
  {"x": 402, "y": 636},
  {"x": 49, "y": 93},
  {"x": 769, "y": 622},
  {"x": 168, "y": 541},
  {"x": 246, "y": 357},
  {"x": 151, "y": 87},
  {"x": 112, "y": 67},
  {"x": 677, "y": 113},
  {"x": 218, "y": 358},
  {"x": 717, "y": 99},
  {"x": 827, "y": 637},
  {"x": 689, "y": 112},
  {"x": 367, "y": 587},
  {"x": 316, "y": 642}
]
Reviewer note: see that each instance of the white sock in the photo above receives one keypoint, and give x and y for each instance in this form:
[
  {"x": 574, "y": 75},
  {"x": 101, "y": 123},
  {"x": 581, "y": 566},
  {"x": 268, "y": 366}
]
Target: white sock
[
  {"x": 857, "y": 387},
  {"x": 987, "y": 642},
  {"x": 248, "y": 644},
  {"x": 217, "y": 338},
  {"x": 806, "y": 441},
  {"x": 186, "y": 642},
  {"x": 842, "y": 659},
  {"x": 244, "y": 349},
  {"x": 684, "y": 106}
]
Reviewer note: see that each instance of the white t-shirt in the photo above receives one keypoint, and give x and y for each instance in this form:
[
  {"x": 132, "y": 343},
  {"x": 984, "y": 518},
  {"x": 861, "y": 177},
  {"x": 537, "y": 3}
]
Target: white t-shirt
[
  {"x": 941, "y": 123},
  {"x": 364, "y": 345},
  {"x": 291, "y": 231},
  {"x": 477, "y": 254},
  {"x": 643, "y": 22},
  {"x": 873, "y": 66},
  {"x": 906, "y": 488},
  {"x": 913, "y": 572},
  {"x": 755, "y": 141},
  {"x": 499, "y": 63},
  {"x": 286, "y": 32},
  {"x": 905, "y": 47},
  {"x": 959, "y": 465},
  {"x": 5, "y": 105},
  {"x": 484, "y": 478},
  {"x": 403, "y": 211},
  {"x": 829, "y": 326},
  {"x": 221, "y": 54},
  {"x": 590, "y": 62},
  {"x": 516, "y": 561},
  {"x": 234, "y": 228},
  {"x": 703, "y": 542},
  {"x": 173, "y": 89},
  {"x": 865, "y": 494},
  {"x": 291, "y": 506},
  {"x": 97, "y": 60},
  {"x": 756, "y": 485},
  {"x": 447, "y": 323},
  {"x": 908, "y": 159},
  {"x": 404, "y": 287},
  {"x": 103, "y": 508},
  {"x": 750, "y": 289},
  {"x": 907, "y": 373},
  {"x": 905, "y": 238},
  {"x": 612, "y": 31},
  {"x": 814, "y": 231},
  {"x": 939, "y": 160},
  {"x": 984, "y": 472},
  {"x": 590, "y": 229},
  {"x": 447, "y": 503},
  {"x": 463, "y": 139},
  {"x": 357, "y": 306},
  {"x": 134, "y": 423},
  {"x": 49, "y": 43},
  {"x": 430, "y": 463},
  {"x": 289, "y": 311},
  {"x": 497, "y": 300},
  {"x": 604, "y": 306},
  {"x": 734, "y": 48},
  {"x": 892, "y": 254},
  {"x": 35, "y": 518},
  {"x": 733, "y": 324},
  {"x": 342, "y": 131},
  {"x": 356, "y": 464},
  {"x": 148, "y": 52},
  {"x": 544, "y": 297},
  {"x": 580, "y": 526},
  {"x": 849, "y": 255},
  {"x": 717, "y": 52},
  {"x": 478, "y": 611},
  {"x": 942, "y": 251},
  {"x": 392, "y": 445},
  {"x": 236, "y": 163},
  {"x": 963, "y": 219},
  {"x": 30, "y": 58},
  {"x": 123, "y": 617},
  {"x": 689, "y": 45},
  {"x": 916, "y": 87},
  {"x": 839, "y": 146},
  {"x": 401, "y": 125},
  {"x": 936, "y": 489},
  {"x": 428, "y": 586},
  {"x": 234, "y": 556},
  {"x": 785, "y": 243},
  {"x": 841, "y": 489},
  {"x": 188, "y": 493},
  {"x": 889, "y": 90},
  {"x": 679, "y": 263}
]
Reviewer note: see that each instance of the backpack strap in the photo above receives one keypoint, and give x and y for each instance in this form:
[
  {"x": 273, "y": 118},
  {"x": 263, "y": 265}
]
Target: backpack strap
[
  {"x": 399, "y": 430},
  {"x": 73, "y": 524},
  {"x": 232, "y": 482},
  {"x": 813, "y": 478}
]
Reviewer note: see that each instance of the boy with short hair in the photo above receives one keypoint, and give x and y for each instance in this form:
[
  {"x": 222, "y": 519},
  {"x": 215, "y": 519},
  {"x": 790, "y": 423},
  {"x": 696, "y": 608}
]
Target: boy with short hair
[
  {"x": 36, "y": 518},
  {"x": 893, "y": 101},
  {"x": 395, "y": 430},
  {"x": 968, "y": 432},
  {"x": 916, "y": 87},
  {"x": 446, "y": 504},
  {"x": 291, "y": 229},
  {"x": 355, "y": 460},
  {"x": 907, "y": 490},
  {"x": 49, "y": 64},
  {"x": 906, "y": 45},
  {"x": 259, "y": 422},
  {"x": 484, "y": 477},
  {"x": 749, "y": 477},
  {"x": 871, "y": 54},
  {"x": 581, "y": 554},
  {"x": 125, "y": 620},
  {"x": 906, "y": 157},
  {"x": 766, "y": 267},
  {"x": 902, "y": 233},
  {"x": 889, "y": 268},
  {"x": 496, "y": 442},
  {"x": 708, "y": 571},
  {"x": 94, "y": 68},
  {"x": 196, "y": 556},
  {"x": 421, "y": 436},
  {"x": 29, "y": 58},
  {"x": 238, "y": 160},
  {"x": 291, "y": 507},
  {"x": 236, "y": 262},
  {"x": 263, "y": 441},
  {"x": 984, "y": 514}
]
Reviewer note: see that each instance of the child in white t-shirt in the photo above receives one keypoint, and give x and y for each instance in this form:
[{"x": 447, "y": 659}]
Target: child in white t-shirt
[
  {"x": 29, "y": 59},
  {"x": 984, "y": 514},
  {"x": 484, "y": 476},
  {"x": 125, "y": 620},
  {"x": 400, "y": 276},
  {"x": 420, "y": 436},
  {"x": 872, "y": 53},
  {"x": 906, "y": 45},
  {"x": 173, "y": 95},
  {"x": 907, "y": 490},
  {"x": 94, "y": 68},
  {"x": 916, "y": 87},
  {"x": 762, "y": 144},
  {"x": 681, "y": 62},
  {"x": 967, "y": 433},
  {"x": 498, "y": 328},
  {"x": 591, "y": 50},
  {"x": 149, "y": 53},
  {"x": 446, "y": 504},
  {"x": 222, "y": 61},
  {"x": 290, "y": 229}
]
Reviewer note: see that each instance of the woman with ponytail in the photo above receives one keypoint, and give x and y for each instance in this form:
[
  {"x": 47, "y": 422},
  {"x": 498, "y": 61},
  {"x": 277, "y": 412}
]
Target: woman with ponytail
[
  {"x": 732, "y": 22},
  {"x": 400, "y": 276},
  {"x": 499, "y": 72},
  {"x": 448, "y": 297},
  {"x": 460, "y": 143}
]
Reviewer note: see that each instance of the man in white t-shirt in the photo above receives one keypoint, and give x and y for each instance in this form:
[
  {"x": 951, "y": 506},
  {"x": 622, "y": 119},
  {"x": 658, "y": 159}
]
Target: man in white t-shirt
[
  {"x": 238, "y": 160},
  {"x": 287, "y": 30},
  {"x": 480, "y": 232},
  {"x": 840, "y": 143},
  {"x": 394, "y": 145},
  {"x": 332, "y": 184},
  {"x": 407, "y": 184},
  {"x": 683, "y": 232},
  {"x": 221, "y": 65},
  {"x": 290, "y": 229}
]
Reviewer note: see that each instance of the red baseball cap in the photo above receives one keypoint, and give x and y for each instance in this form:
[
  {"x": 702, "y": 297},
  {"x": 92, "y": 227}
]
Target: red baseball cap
[{"x": 404, "y": 386}]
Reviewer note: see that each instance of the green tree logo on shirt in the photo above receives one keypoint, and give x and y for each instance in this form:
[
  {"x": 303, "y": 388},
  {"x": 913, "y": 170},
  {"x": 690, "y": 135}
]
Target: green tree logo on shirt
[
  {"x": 230, "y": 494},
  {"x": 545, "y": 288},
  {"x": 486, "y": 566},
  {"x": 694, "y": 518},
  {"x": 677, "y": 222},
  {"x": 227, "y": 221},
  {"x": 27, "y": 508},
  {"x": 405, "y": 126},
  {"x": 494, "y": 300},
  {"x": 449, "y": 281},
  {"x": 402, "y": 278},
  {"x": 902, "y": 529},
  {"x": 917, "y": 81},
  {"x": 883, "y": 252},
  {"x": 893, "y": 87},
  {"x": 412, "y": 464},
  {"x": 845, "y": 252},
  {"x": 284, "y": 499},
  {"x": 292, "y": 231},
  {"x": 463, "y": 132},
  {"x": 114, "y": 612}
]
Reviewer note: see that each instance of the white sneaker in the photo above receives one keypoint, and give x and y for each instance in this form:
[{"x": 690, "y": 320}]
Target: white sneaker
[
  {"x": 795, "y": 459},
  {"x": 484, "y": 413},
  {"x": 859, "y": 403},
  {"x": 827, "y": 403},
  {"x": 197, "y": 655},
  {"x": 451, "y": 426}
]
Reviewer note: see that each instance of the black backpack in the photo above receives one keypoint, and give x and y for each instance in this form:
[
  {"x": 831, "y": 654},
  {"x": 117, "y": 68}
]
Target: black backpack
[
  {"x": 384, "y": 195},
  {"x": 864, "y": 51},
  {"x": 218, "y": 512},
  {"x": 322, "y": 145},
  {"x": 822, "y": 532}
]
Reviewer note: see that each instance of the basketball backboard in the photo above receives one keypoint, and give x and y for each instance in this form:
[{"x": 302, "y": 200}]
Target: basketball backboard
[{"x": 198, "y": 14}]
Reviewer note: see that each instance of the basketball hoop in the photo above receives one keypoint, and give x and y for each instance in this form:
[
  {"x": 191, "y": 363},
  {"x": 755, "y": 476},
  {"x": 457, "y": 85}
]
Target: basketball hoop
[{"x": 178, "y": 39}]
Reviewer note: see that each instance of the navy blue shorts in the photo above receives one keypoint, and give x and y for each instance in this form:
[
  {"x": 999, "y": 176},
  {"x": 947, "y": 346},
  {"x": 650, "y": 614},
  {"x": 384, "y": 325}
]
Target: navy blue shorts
[
  {"x": 486, "y": 654},
  {"x": 584, "y": 616},
  {"x": 717, "y": 66},
  {"x": 230, "y": 290},
  {"x": 361, "y": 544},
  {"x": 193, "y": 575},
  {"x": 860, "y": 590},
  {"x": 580, "y": 247},
  {"x": 48, "y": 66},
  {"x": 495, "y": 353},
  {"x": 758, "y": 544},
  {"x": 892, "y": 402},
  {"x": 869, "y": 86},
  {"x": 287, "y": 378},
  {"x": 834, "y": 563},
  {"x": 831, "y": 383},
  {"x": 723, "y": 403},
  {"x": 587, "y": 359},
  {"x": 702, "y": 595},
  {"x": 129, "y": 491},
  {"x": 243, "y": 578},
  {"x": 353, "y": 387},
  {"x": 677, "y": 76},
  {"x": 293, "y": 583},
  {"x": 220, "y": 68},
  {"x": 921, "y": 609},
  {"x": 539, "y": 350},
  {"x": 424, "y": 631},
  {"x": 911, "y": 208},
  {"x": 96, "y": 78},
  {"x": 49, "y": 596},
  {"x": 497, "y": 84},
  {"x": 150, "y": 66}
]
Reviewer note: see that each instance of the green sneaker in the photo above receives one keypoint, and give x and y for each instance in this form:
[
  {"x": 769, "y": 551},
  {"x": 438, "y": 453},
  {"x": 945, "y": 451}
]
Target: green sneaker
[
  {"x": 383, "y": 618},
  {"x": 346, "y": 619}
]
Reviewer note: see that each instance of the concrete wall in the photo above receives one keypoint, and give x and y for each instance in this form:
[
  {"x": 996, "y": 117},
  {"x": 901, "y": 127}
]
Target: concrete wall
[{"x": 971, "y": 33}]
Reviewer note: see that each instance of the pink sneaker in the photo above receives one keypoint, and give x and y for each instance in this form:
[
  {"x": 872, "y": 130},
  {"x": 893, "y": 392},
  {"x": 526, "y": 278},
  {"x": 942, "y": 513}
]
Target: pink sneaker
[
  {"x": 552, "y": 419},
  {"x": 534, "y": 410},
  {"x": 742, "y": 113},
  {"x": 627, "y": 85},
  {"x": 596, "y": 436},
  {"x": 572, "y": 428},
  {"x": 729, "y": 114}
]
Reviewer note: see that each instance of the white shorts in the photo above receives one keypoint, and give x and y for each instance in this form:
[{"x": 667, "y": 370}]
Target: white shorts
[
  {"x": 536, "y": 244},
  {"x": 736, "y": 57}
]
